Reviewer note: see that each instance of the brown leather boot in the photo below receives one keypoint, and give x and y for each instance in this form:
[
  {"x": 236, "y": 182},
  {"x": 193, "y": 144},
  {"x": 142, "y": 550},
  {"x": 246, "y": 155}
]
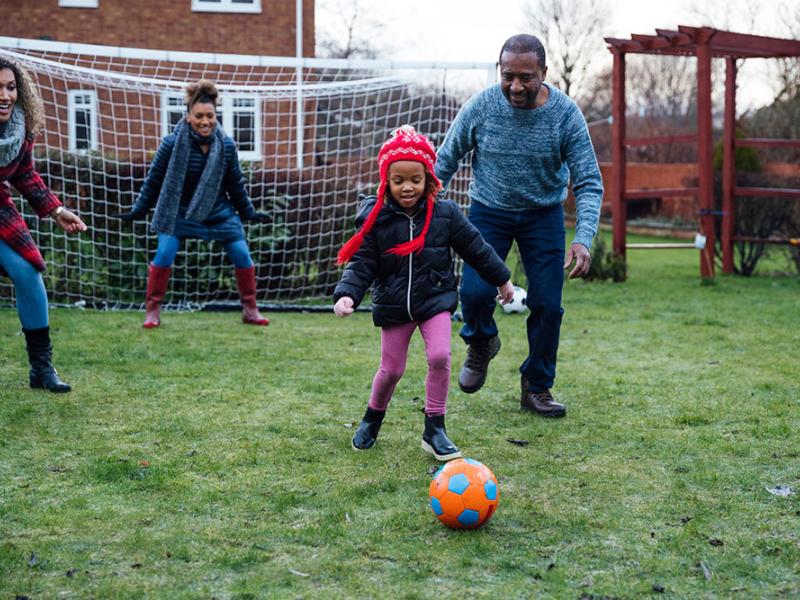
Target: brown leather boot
[
  {"x": 246, "y": 281},
  {"x": 542, "y": 403},
  {"x": 157, "y": 281},
  {"x": 476, "y": 366}
]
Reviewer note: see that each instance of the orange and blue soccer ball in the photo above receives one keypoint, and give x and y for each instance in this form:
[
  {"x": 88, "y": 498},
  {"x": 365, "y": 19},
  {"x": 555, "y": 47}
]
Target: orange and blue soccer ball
[{"x": 464, "y": 494}]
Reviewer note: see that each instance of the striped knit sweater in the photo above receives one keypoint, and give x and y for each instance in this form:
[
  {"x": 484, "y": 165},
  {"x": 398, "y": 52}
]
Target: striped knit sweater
[{"x": 523, "y": 158}]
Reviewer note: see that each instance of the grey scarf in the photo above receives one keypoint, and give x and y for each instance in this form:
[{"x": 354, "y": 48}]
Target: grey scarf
[
  {"x": 12, "y": 136},
  {"x": 207, "y": 191}
]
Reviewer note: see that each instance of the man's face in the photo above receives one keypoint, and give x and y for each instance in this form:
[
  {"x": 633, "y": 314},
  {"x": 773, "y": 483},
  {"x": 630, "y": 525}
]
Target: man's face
[{"x": 521, "y": 78}]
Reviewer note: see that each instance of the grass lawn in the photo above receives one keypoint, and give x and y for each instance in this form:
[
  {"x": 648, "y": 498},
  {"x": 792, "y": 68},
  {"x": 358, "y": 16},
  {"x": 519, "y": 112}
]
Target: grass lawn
[{"x": 210, "y": 459}]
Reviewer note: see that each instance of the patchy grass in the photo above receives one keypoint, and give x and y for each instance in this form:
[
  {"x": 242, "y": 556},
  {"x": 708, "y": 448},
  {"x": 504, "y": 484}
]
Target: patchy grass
[{"x": 210, "y": 459}]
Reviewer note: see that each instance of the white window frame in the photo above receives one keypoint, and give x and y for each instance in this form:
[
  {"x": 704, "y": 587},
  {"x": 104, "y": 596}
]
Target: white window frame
[
  {"x": 226, "y": 110},
  {"x": 167, "y": 108},
  {"x": 79, "y": 3},
  {"x": 72, "y": 106},
  {"x": 226, "y": 6}
]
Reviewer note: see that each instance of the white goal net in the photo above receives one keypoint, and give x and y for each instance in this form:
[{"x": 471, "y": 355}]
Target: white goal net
[{"x": 307, "y": 132}]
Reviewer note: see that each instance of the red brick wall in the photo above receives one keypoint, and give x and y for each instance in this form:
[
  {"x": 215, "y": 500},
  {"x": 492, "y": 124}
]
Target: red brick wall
[{"x": 163, "y": 24}]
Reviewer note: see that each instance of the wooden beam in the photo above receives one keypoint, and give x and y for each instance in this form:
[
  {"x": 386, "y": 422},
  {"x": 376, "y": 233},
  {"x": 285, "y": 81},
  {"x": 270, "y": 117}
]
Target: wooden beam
[
  {"x": 687, "y": 138},
  {"x": 728, "y": 165},
  {"x": 705, "y": 150},
  {"x": 766, "y": 143},
  {"x": 767, "y": 192},
  {"x": 618, "y": 158},
  {"x": 676, "y": 38},
  {"x": 639, "y": 194}
]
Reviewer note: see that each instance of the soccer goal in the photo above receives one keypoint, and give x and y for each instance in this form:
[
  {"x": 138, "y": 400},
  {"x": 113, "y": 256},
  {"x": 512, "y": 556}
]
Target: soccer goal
[{"x": 307, "y": 131}]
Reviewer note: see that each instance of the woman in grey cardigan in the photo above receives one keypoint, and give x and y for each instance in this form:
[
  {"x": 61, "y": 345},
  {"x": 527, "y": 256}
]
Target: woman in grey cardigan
[{"x": 197, "y": 187}]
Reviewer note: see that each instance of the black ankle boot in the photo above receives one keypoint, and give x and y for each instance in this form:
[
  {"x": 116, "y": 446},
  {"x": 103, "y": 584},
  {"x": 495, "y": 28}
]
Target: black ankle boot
[
  {"x": 368, "y": 429},
  {"x": 435, "y": 440},
  {"x": 43, "y": 375}
]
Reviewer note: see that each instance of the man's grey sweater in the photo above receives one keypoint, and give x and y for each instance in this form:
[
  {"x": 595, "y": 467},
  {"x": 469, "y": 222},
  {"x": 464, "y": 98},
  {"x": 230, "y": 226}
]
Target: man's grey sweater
[{"x": 523, "y": 158}]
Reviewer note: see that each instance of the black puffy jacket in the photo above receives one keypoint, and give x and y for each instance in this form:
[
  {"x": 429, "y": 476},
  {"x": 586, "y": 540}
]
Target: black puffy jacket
[{"x": 418, "y": 286}]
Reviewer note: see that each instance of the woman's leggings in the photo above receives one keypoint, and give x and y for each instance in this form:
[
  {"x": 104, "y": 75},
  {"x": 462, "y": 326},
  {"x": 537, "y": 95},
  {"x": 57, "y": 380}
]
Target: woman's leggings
[
  {"x": 28, "y": 287},
  {"x": 168, "y": 246},
  {"x": 436, "y": 333}
]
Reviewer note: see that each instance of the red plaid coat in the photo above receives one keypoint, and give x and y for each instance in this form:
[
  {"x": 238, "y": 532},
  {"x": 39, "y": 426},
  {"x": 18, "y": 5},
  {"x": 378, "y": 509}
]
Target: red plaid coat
[{"x": 21, "y": 173}]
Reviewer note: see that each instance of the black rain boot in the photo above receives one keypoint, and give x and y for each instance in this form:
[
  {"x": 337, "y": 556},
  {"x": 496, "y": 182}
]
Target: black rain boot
[
  {"x": 43, "y": 375},
  {"x": 435, "y": 440},
  {"x": 367, "y": 432}
]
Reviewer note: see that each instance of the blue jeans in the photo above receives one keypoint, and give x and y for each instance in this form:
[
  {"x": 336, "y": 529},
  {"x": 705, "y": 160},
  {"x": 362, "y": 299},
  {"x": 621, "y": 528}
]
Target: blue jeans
[
  {"x": 540, "y": 236},
  {"x": 168, "y": 246},
  {"x": 28, "y": 287}
]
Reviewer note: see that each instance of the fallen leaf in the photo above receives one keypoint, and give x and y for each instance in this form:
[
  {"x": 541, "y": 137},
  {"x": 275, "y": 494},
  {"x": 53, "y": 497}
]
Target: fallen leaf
[
  {"x": 658, "y": 589},
  {"x": 71, "y": 573},
  {"x": 349, "y": 425},
  {"x": 33, "y": 560},
  {"x": 706, "y": 571},
  {"x": 136, "y": 566},
  {"x": 517, "y": 442},
  {"x": 144, "y": 464},
  {"x": 716, "y": 542},
  {"x": 685, "y": 520},
  {"x": 299, "y": 573},
  {"x": 781, "y": 490}
]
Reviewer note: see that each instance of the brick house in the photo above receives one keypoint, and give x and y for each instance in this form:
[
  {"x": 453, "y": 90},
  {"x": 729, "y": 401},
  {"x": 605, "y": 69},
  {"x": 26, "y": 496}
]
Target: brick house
[
  {"x": 87, "y": 118},
  {"x": 263, "y": 27}
]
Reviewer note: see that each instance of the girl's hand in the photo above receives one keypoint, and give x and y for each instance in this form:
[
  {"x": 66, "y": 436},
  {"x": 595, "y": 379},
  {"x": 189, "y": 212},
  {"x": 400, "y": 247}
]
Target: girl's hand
[
  {"x": 506, "y": 292},
  {"x": 344, "y": 306},
  {"x": 68, "y": 220}
]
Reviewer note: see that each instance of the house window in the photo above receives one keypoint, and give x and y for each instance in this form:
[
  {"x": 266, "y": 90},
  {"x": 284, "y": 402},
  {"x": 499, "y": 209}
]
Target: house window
[
  {"x": 79, "y": 3},
  {"x": 244, "y": 125},
  {"x": 233, "y": 6},
  {"x": 172, "y": 111},
  {"x": 82, "y": 120},
  {"x": 238, "y": 115}
]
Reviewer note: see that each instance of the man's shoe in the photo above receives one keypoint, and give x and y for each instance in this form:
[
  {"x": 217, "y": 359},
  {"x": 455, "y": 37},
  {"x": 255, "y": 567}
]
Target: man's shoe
[
  {"x": 542, "y": 403},
  {"x": 473, "y": 373}
]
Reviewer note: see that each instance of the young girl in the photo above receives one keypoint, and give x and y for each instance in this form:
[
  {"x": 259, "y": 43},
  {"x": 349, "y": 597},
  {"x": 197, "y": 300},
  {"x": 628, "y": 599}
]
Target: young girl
[{"x": 404, "y": 246}]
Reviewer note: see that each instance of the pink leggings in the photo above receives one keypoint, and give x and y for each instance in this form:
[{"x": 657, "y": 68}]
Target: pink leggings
[{"x": 436, "y": 332}]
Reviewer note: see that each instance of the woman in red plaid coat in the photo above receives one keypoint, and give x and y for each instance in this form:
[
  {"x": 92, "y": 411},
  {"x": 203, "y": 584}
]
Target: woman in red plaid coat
[{"x": 21, "y": 118}]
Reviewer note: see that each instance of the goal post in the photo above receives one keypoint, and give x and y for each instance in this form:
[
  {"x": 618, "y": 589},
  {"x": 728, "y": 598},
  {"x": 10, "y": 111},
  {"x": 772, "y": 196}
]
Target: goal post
[{"x": 307, "y": 132}]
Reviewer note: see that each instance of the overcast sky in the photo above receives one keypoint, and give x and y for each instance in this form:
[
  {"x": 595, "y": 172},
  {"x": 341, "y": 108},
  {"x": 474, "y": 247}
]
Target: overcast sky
[{"x": 474, "y": 30}]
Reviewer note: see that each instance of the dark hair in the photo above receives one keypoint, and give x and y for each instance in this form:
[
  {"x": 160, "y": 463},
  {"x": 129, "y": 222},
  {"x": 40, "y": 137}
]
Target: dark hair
[
  {"x": 28, "y": 96},
  {"x": 201, "y": 91},
  {"x": 523, "y": 43}
]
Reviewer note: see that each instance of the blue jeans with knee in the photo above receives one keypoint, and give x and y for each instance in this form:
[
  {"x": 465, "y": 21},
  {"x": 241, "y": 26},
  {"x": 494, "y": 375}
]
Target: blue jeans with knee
[
  {"x": 28, "y": 287},
  {"x": 540, "y": 236},
  {"x": 168, "y": 246}
]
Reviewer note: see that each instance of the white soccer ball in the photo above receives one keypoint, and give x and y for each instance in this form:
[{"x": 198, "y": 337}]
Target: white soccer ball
[{"x": 517, "y": 304}]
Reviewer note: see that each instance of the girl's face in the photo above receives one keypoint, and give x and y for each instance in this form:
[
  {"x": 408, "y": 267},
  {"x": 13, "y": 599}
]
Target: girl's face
[
  {"x": 8, "y": 94},
  {"x": 203, "y": 118},
  {"x": 407, "y": 183}
]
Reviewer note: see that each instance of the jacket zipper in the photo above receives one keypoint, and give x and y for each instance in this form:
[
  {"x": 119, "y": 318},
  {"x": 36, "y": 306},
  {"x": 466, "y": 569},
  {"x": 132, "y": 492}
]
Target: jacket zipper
[{"x": 410, "y": 265}]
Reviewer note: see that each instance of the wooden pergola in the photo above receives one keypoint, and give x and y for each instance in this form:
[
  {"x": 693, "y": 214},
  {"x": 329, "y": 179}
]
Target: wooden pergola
[{"x": 704, "y": 43}]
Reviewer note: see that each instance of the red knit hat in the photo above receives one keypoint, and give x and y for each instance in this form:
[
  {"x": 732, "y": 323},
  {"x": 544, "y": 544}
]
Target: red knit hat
[{"x": 404, "y": 143}]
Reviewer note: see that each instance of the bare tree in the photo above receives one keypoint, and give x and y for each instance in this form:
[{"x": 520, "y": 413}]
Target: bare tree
[
  {"x": 787, "y": 70},
  {"x": 350, "y": 32},
  {"x": 572, "y": 32}
]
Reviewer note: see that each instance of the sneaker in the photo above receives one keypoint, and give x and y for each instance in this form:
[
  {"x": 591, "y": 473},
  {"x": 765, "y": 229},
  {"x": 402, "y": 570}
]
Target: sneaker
[
  {"x": 542, "y": 403},
  {"x": 473, "y": 373}
]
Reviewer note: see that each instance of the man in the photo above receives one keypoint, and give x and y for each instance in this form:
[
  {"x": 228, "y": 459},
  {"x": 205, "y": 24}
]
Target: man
[{"x": 527, "y": 139}]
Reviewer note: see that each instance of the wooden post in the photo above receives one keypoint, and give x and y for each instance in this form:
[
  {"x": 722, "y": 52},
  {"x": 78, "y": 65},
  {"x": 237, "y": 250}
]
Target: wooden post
[
  {"x": 618, "y": 162},
  {"x": 728, "y": 165},
  {"x": 705, "y": 151}
]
